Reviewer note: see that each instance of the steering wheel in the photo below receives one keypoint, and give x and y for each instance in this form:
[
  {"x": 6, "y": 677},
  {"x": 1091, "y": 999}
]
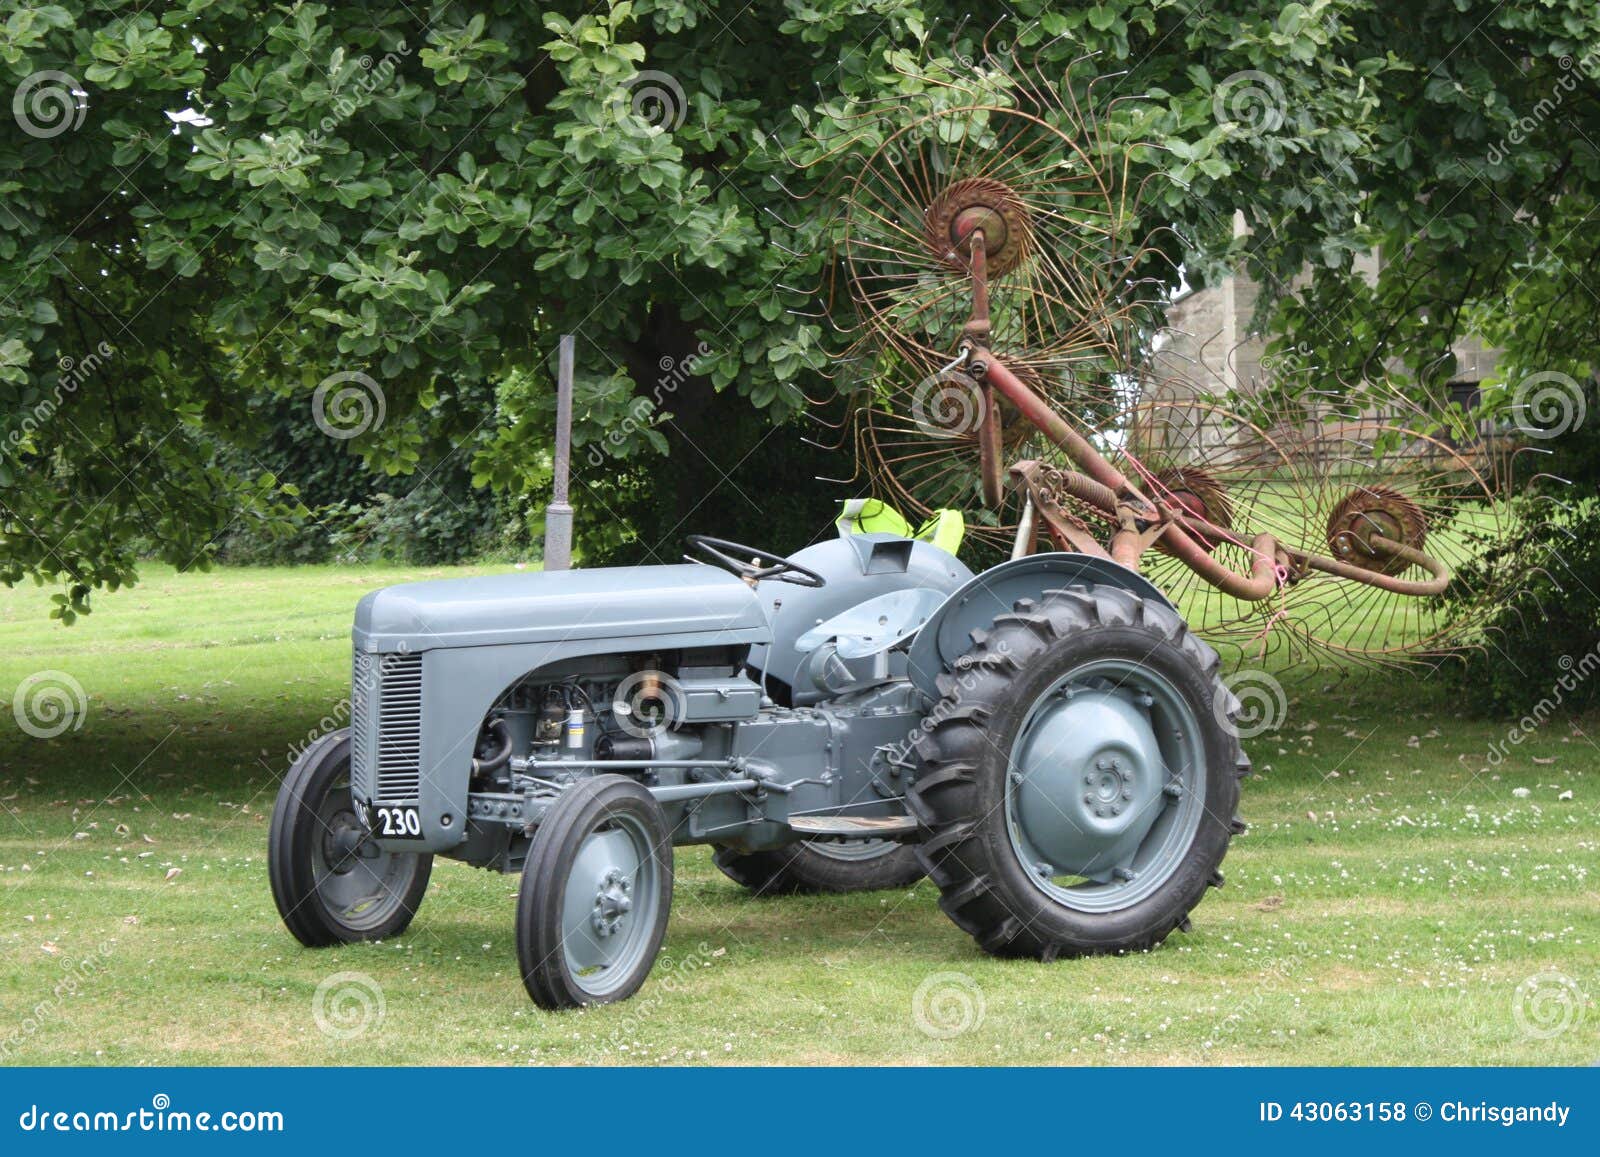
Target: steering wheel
[{"x": 751, "y": 564}]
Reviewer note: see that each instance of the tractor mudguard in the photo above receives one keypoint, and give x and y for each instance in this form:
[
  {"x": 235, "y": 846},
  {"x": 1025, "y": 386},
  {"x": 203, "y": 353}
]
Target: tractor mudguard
[
  {"x": 858, "y": 568},
  {"x": 948, "y": 633}
]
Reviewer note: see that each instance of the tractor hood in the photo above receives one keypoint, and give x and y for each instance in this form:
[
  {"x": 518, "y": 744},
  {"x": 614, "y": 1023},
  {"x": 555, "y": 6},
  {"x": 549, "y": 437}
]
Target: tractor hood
[{"x": 561, "y": 606}]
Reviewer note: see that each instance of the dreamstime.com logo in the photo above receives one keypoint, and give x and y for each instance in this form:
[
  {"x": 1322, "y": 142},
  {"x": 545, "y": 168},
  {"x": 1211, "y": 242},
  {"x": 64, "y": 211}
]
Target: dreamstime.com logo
[
  {"x": 375, "y": 76},
  {"x": 49, "y": 703},
  {"x": 674, "y": 372},
  {"x": 669, "y": 977},
  {"x": 348, "y": 1004},
  {"x": 966, "y": 676},
  {"x": 1251, "y": 100},
  {"x": 1547, "y": 1004},
  {"x": 48, "y": 104},
  {"x": 347, "y": 405},
  {"x": 1547, "y": 405},
  {"x": 648, "y": 101},
  {"x": 1574, "y": 673},
  {"x": 76, "y": 974},
  {"x": 647, "y": 703},
  {"x": 72, "y": 374},
  {"x": 160, "y": 1117},
  {"x": 366, "y": 678},
  {"x": 948, "y": 403},
  {"x": 1250, "y": 703},
  {"x": 947, "y": 1004},
  {"x": 1577, "y": 78}
]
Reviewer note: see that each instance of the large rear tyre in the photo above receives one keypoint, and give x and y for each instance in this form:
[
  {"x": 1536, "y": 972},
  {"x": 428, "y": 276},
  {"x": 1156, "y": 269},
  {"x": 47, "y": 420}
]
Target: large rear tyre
[
  {"x": 832, "y": 866},
  {"x": 596, "y": 892},
  {"x": 331, "y": 881},
  {"x": 1080, "y": 779}
]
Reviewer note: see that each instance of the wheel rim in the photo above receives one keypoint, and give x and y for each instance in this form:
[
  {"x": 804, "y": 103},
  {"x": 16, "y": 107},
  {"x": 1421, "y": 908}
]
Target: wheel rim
[
  {"x": 1106, "y": 786},
  {"x": 852, "y": 851},
  {"x": 358, "y": 883},
  {"x": 610, "y": 906}
]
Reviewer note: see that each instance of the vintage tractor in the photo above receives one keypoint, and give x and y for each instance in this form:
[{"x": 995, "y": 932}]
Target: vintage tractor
[{"x": 1048, "y": 740}]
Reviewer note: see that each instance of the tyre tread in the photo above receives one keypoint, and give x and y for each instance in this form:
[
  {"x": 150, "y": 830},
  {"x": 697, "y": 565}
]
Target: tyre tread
[{"x": 957, "y": 854}]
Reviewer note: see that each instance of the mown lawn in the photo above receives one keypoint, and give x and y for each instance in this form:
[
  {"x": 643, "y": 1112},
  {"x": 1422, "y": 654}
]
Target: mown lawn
[{"x": 1395, "y": 901}]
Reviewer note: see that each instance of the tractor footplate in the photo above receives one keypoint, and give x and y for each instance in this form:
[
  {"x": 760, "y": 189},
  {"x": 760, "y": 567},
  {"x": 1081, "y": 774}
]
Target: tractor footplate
[{"x": 853, "y": 827}]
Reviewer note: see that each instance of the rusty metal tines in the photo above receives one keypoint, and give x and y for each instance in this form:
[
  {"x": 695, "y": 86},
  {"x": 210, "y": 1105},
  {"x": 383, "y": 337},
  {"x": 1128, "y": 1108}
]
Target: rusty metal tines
[
  {"x": 1305, "y": 524},
  {"x": 1389, "y": 514},
  {"x": 1060, "y": 270},
  {"x": 1264, "y": 576},
  {"x": 1224, "y": 480},
  {"x": 1195, "y": 491}
]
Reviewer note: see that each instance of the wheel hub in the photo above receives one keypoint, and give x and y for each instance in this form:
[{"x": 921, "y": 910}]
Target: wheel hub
[
  {"x": 1112, "y": 785},
  {"x": 975, "y": 217},
  {"x": 1087, "y": 783},
  {"x": 978, "y": 203},
  {"x": 1375, "y": 510},
  {"x": 345, "y": 842},
  {"x": 1195, "y": 491},
  {"x": 613, "y": 900}
]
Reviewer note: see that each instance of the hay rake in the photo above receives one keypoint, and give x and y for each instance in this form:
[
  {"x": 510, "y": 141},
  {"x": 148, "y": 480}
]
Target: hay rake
[{"x": 1002, "y": 297}]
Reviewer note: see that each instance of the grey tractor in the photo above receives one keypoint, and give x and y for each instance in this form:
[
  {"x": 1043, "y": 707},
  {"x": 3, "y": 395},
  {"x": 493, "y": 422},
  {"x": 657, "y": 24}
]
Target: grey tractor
[{"x": 1046, "y": 741}]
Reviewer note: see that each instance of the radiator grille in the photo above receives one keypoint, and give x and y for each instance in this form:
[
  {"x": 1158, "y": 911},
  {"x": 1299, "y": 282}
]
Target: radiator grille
[
  {"x": 361, "y": 691},
  {"x": 386, "y": 727}
]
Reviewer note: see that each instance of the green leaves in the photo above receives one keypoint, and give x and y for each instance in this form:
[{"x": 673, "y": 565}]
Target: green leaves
[
  {"x": 455, "y": 52},
  {"x": 433, "y": 195},
  {"x": 137, "y": 49}
]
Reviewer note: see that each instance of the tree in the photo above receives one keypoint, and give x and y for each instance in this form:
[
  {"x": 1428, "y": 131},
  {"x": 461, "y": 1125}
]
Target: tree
[
  {"x": 391, "y": 210},
  {"x": 1476, "y": 182}
]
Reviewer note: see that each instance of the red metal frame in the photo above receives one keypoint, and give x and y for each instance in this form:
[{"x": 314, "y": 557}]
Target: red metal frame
[{"x": 1142, "y": 520}]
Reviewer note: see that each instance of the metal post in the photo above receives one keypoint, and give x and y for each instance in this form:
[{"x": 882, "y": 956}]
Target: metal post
[
  {"x": 558, "y": 515},
  {"x": 1027, "y": 527}
]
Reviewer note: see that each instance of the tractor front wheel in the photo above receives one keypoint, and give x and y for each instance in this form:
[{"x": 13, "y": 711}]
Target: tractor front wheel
[
  {"x": 1080, "y": 779},
  {"x": 332, "y": 883},
  {"x": 596, "y": 891}
]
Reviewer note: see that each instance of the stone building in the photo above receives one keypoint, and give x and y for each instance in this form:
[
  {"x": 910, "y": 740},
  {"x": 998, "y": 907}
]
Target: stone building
[{"x": 1209, "y": 351}]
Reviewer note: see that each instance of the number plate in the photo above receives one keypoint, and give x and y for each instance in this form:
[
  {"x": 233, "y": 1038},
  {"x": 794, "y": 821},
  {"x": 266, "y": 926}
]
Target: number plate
[{"x": 401, "y": 821}]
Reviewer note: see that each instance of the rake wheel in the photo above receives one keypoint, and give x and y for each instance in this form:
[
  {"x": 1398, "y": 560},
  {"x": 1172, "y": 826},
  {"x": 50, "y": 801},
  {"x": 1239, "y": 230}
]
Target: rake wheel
[
  {"x": 1054, "y": 222},
  {"x": 1375, "y": 480}
]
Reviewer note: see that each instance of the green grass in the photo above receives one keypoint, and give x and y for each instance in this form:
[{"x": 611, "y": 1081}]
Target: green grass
[{"x": 1384, "y": 907}]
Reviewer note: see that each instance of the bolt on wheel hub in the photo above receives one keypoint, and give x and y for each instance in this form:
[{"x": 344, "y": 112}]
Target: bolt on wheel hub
[
  {"x": 970, "y": 220},
  {"x": 344, "y": 842},
  {"x": 1089, "y": 782},
  {"x": 1111, "y": 786},
  {"x": 613, "y": 900}
]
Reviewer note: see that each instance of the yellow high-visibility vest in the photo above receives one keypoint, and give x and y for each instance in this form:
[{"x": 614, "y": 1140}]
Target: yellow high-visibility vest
[{"x": 944, "y": 530}]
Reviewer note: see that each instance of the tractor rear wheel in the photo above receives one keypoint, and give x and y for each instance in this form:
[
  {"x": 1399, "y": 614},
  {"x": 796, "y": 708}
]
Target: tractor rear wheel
[
  {"x": 1080, "y": 778},
  {"x": 596, "y": 891},
  {"x": 331, "y": 881},
  {"x": 823, "y": 866}
]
